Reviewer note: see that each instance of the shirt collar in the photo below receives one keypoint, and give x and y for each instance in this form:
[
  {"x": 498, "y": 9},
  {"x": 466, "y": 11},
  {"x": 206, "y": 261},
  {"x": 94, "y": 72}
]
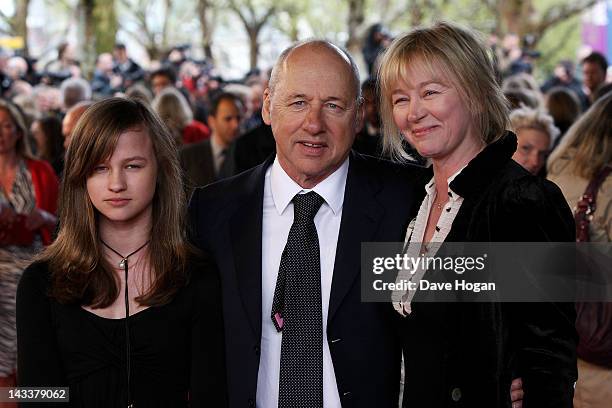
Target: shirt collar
[
  {"x": 216, "y": 148},
  {"x": 284, "y": 188},
  {"x": 430, "y": 188}
]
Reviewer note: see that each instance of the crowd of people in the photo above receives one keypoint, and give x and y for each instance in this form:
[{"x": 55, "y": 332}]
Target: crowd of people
[{"x": 201, "y": 237}]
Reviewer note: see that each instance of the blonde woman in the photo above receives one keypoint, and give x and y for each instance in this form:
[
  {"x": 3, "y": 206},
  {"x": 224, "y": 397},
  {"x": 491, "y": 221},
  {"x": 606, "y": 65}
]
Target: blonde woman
[
  {"x": 174, "y": 110},
  {"x": 119, "y": 308},
  {"x": 536, "y": 134},
  {"x": 586, "y": 150},
  {"x": 439, "y": 92},
  {"x": 28, "y": 202}
]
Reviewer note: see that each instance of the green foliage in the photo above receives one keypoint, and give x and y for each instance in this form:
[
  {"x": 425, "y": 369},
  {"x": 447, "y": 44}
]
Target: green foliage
[
  {"x": 106, "y": 25},
  {"x": 559, "y": 42}
]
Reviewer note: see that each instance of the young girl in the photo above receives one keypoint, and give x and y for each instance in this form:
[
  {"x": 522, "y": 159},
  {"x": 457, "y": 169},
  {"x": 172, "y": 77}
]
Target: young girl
[{"x": 118, "y": 308}]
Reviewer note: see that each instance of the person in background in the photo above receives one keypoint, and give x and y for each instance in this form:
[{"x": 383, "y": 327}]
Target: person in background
[
  {"x": 439, "y": 91},
  {"x": 522, "y": 97},
  {"x": 129, "y": 70},
  {"x": 70, "y": 120},
  {"x": 254, "y": 99},
  {"x": 47, "y": 133},
  {"x": 521, "y": 81},
  {"x": 564, "y": 107},
  {"x": 162, "y": 78},
  {"x": 563, "y": 75},
  {"x": 139, "y": 91},
  {"x": 536, "y": 134},
  {"x": 73, "y": 91},
  {"x": 120, "y": 304},
  {"x": 376, "y": 41},
  {"x": 28, "y": 200},
  {"x": 176, "y": 113},
  {"x": 369, "y": 139},
  {"x": 594, "y": 69},
  {"x": 585, "y": 155},
  {"x": 209, "y": 160},
  {"x": 602, "y": 90},
  {"x": 64, "y": 67},
  {"x": 105, "y": 82}
]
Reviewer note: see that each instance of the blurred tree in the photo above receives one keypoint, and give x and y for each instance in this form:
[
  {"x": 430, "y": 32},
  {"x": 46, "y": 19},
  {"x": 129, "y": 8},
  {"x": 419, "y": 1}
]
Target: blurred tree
[
  {"x": 532, "y": 18},
  {"x": 106, "y": 25},
  {"x": 16, "y": 24},
  {"x": 356, "y": 18},
  {"x": 86, "y": 46},
  {"x": 253, "y": 21},
  {"x": 206, "y": 17},
  {"x": 138, "y": 23},
  {"x": 288, "y": 20}
]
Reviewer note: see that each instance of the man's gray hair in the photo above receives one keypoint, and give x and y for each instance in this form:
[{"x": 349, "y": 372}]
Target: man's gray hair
[{"x": 73, "y": 91}]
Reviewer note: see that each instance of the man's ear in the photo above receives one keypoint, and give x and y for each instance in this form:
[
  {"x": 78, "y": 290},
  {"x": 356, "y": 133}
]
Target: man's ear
[
  {"x": 265, "y": 109},
  {"x": 212, "y": 123}
]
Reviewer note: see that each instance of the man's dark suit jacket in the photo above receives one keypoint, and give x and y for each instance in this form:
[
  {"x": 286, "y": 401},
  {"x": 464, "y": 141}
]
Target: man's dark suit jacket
[
  {"x": 226, "y": 218},
  {"x": 198, "y": 165},
  {"x": 253, "y": 148}
]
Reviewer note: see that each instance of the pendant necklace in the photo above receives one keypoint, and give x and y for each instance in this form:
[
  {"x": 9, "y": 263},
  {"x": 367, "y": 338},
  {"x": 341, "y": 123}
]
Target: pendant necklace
[{"x": 124, "y": 264}]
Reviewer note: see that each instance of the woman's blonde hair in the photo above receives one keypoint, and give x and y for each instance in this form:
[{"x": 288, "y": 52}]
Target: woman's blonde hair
[
  {"x": 538, "y": 119},
  {"x": 22, "y": 147},
  {"x": 173, "y": 109},
  {"x": 591, "y": 138},
  {"x": 79, "y": 270},
  {"x": 462, "y": 57}
]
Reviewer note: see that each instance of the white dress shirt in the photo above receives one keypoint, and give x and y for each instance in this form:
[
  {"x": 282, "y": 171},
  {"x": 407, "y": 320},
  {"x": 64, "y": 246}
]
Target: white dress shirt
[
  {"x": 416, "y": 233},
  {"x": 217, "y": 154},
  {"x": 279, "y": 190}
]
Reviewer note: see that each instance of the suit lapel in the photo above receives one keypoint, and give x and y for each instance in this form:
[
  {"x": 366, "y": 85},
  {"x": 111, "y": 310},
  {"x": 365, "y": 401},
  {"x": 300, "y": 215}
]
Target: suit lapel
[
  {"x": 208, "y": 168},
  {"x": 245, "y": 238},
  {"x": 361, "y": 214}
]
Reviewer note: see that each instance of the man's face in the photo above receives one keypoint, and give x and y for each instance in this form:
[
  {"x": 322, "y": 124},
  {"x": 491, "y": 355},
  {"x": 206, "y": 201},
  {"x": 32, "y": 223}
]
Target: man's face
[
  {"x": 105, "y": 62},
  {"x": 120, "y": 55},
  {"x": 159, "y": 82},
  {"x": 593, "y": 75},
  {"x": 226, "y": 124},
  {"x": 314, "y": 113}
]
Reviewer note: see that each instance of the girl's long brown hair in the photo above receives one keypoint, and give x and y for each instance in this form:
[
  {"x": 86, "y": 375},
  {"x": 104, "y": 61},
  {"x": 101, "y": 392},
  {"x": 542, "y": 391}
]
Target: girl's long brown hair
[{"x": 79, "y": 270}]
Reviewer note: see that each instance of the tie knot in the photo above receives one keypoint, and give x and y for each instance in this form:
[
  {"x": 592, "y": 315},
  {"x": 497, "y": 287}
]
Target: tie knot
[{"x": 306, "y": 206}]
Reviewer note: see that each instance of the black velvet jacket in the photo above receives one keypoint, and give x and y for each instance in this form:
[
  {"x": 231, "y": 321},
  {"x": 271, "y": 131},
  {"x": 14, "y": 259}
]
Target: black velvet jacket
[{"x": 466, "y": 354}]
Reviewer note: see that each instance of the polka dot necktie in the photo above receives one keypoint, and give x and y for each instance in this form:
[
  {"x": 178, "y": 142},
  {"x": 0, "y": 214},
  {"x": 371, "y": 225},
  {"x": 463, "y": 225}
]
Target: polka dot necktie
[{"x": 296, "y": 310}]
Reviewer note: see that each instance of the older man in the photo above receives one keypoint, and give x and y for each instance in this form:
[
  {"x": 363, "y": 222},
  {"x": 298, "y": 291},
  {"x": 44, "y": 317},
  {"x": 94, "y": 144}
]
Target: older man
[{"x": 286, "y": 236}]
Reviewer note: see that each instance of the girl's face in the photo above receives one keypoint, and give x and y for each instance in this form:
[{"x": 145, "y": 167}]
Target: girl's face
[{"x": 122, "y": 187}]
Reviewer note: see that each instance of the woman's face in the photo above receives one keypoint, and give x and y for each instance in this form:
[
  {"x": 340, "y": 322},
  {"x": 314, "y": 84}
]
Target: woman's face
[
  {"x": 8, "y": 133},
  {"x": 431, "y": 115},
  {"x": 533, "y": 148},
  {"x": 122, "y": 187}
]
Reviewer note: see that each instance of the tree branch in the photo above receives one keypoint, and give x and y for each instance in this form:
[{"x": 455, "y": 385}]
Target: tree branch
[
  {"x": 264, "y": 18},
  {"x": 556, "y": 14},
  {"x": 232, "y": 6},
  {"x": 548, "y": 54}
]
